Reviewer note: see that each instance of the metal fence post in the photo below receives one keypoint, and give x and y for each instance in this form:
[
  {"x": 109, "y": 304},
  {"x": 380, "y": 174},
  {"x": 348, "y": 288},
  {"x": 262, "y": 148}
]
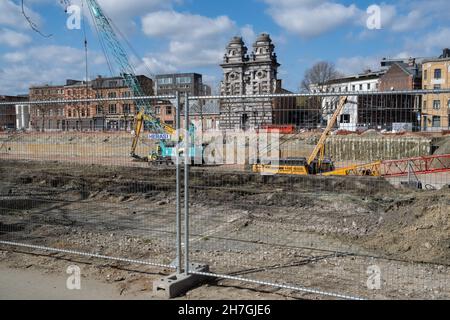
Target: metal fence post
[
  {"x": 187, "y": 157},
  {"x": 178, "y": 165}
]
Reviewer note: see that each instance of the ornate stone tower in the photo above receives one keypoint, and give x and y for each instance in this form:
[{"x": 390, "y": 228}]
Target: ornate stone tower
[
  {"x": 233, "y": 67},
  {"x": 249, "y": 75},
  {"x": 262, "y": 67}
]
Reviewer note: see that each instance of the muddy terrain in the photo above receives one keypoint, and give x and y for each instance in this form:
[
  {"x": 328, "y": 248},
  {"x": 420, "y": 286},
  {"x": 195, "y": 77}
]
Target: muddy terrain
[{"x": 310, "y": 232}]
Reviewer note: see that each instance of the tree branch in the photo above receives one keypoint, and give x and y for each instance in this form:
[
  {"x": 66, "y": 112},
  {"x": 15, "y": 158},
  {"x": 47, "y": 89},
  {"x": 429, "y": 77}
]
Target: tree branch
[{"x": 32, "y": 24}]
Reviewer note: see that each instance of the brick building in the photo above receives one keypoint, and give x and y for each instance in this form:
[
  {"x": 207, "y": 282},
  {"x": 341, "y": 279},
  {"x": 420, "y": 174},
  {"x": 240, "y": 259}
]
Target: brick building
[
  {"x": 86, "y": 116},
  {"x": 436, "y": 108},
  {"x": 78, "y": 115},
  {"x": 165, "y": 112},
  {"x": 118, "y": 114},
  {"x": 204, "y": 114},
  {"x": 402, "y": 76},
  {"x": 47, "y": 117}
]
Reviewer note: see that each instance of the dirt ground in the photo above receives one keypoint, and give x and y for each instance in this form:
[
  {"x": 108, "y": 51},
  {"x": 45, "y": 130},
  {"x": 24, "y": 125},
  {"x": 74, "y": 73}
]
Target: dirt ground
[{"x": 325, "y": 234}]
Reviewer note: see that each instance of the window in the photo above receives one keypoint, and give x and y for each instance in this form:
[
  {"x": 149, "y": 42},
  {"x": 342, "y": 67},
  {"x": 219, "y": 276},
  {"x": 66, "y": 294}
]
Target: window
[
  {"x": 345, "y": 118},
  {"x": 99, "y": 110},
  {"x": 112, "y": 109},
  {"x": 112, "y": 95},
  {"x": 360, "y": 87},
  {"x": 424, "y": 105},
  {"x": 368, "y": 86},
  {"x": 437, "y": 104},
  {"x": 436, "y": 122},
  {"x": 438, "y": 74},
  {"x": 169, "y": 110},
  {"x": 126, "y": 94},
  {"x": 425, "y": 74},
  {"x": 126, "y": 109},
  {"x": 163, "y": 81},
  {"x": 158, "y": 110},
  {"x": 353, "y": 87},
  {"x": 437, "y": 87},
  {"x": 83, "y": 113},
  {"x": 184, "y": 80},
  {"x": 448, "y": 104},
  {"x": 69, "y": 113}
]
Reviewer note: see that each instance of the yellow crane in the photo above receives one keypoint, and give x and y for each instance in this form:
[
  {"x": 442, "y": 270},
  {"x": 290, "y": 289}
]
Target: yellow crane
[{"x": 316, "y": 163}]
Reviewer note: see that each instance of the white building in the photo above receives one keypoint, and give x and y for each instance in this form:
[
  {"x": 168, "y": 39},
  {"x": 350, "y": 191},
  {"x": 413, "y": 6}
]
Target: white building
[
  {"x": 22, "y": 117},
  {"x": 348, "y": 120}
]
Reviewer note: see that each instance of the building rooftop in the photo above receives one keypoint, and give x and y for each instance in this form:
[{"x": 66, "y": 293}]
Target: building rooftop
[
  {"x": 357, "y": 77},
  {"x": 177, "y": 74},
  {"x": 209, "y": 107},
  {"x": 264, "y": 37},
  {"x": 437, "y": 59},
  {"x": 237, "y": 40}
]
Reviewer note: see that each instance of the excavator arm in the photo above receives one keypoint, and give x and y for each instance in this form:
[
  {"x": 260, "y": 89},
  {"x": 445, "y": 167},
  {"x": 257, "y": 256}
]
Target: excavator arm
[{"x": 140, "y": 119}]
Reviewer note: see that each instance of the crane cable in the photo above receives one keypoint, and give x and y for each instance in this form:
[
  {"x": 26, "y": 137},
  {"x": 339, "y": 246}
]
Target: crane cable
[
  {"x": 124, "y": 38},
  {"x": 102, "y": 44}
]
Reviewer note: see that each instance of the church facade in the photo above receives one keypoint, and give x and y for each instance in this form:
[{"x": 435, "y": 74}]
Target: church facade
[{"x": 249, "y": 74}]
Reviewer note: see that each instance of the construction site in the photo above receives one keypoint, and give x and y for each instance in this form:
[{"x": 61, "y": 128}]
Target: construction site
[
  {"x": 82, "y": 193},
  {"x": 257, "y": 195}
]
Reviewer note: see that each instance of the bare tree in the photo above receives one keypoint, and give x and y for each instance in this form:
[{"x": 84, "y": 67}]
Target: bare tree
[{"x": 317, "y": 77}]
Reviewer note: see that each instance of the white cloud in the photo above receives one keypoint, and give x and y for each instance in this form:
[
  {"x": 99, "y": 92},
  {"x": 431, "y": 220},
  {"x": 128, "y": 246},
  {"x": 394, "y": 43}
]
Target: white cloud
[
  {"x": 176, "y": 25},
  {"x": 429, "y": 44},
  {"x": 193, "y": 40},
  {"x": 155, "y": 66},
  {"x": 123, "y": 13},
  {"x": 42, "y": 64},
  {"x": 413, "y": 20},
  {"x": 310, "y": 18},
  {"x": 11, "y": 15},
  {"x": 357, "y": 64},
  {"x": 248, "y": 34},
  {"x": 13, "y": 38}
]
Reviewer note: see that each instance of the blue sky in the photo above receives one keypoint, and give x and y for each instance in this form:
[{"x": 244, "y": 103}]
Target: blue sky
[{"x": 191, "y": 35}]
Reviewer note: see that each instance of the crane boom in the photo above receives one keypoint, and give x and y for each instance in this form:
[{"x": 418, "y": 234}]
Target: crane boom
[
  {"x": 321, "y": 144},
  {"x": 145, "y": 114}
]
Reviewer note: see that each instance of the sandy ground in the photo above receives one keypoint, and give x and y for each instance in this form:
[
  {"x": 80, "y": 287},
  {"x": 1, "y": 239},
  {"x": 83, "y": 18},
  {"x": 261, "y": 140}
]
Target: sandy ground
[
  {"x": 19, "y": 284},
  {"x": 313, "y": 232},
  {"x": 39, "y": 276}
]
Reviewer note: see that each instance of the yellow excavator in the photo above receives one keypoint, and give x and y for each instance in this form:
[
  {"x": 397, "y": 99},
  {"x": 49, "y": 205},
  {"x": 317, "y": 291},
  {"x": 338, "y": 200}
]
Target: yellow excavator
[
  {"x": 317, "y": 164},
  {"x": 166, "y": 151}
]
